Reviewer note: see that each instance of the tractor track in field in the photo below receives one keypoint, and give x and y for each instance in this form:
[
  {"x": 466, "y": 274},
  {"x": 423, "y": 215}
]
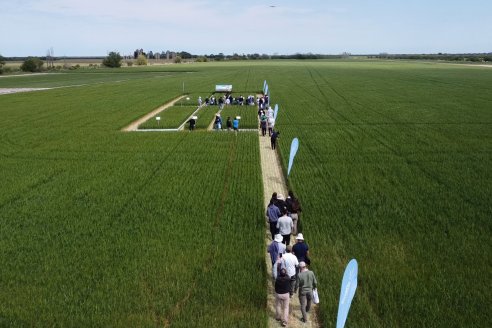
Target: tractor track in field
[{"x": 274, "y": 181}]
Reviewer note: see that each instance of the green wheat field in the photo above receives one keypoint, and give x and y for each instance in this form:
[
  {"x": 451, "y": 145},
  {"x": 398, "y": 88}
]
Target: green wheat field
[{"x": 104, "y": 228}]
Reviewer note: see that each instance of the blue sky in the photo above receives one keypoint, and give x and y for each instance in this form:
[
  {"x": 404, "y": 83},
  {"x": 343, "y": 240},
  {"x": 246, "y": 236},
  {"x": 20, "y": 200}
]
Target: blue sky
[{"x": 94, "y": 27}]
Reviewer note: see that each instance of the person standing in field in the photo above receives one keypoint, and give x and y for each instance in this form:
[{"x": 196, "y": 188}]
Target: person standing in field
[
  {"x": 293, "y": 207},
  {"x": 284, "y": 226},
  {"x": 192, "y": 123},
  {"x": 221, "y": 103},
  {"x": 301, "y": 249},
  {"x": 199, "y": 101},
  {"x": 276, "y": 249},
  {"x": 273, "y": 139},
  {"x": 235, "y": 124},
  {"x": 218, "y": 122},
  {"x": 273, "y": 213},
  {"x": 305, "y": 283},
  {"x": 270, "y": 112},
  {"x": 229, "y": 123},
  {"x": 282, "y": 287}
]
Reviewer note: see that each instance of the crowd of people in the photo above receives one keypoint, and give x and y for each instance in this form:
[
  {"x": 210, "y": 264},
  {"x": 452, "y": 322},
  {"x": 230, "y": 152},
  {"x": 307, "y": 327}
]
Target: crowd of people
[
  {"x": 265, "y": 114},
  {"x": 227, "y": 99},
  {"x": 289, "y": 262}
]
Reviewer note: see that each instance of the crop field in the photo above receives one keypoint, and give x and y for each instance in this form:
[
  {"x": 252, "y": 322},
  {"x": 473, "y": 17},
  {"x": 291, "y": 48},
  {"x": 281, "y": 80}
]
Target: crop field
[
  {"x": 170, "y": 118},
  {"x": 248, "y": 114},
  {"x": 100, "y": 227}
]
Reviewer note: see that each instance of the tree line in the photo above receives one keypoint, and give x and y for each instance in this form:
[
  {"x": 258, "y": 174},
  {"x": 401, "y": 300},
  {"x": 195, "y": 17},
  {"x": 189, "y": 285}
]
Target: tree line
[{"x": 480, "y": 57}]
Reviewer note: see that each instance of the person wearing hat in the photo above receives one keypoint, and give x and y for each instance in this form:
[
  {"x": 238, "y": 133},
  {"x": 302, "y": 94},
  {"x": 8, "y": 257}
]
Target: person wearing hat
[
  {"x": 305, "y": 283},
  {"x": 279, "y": 201},
  {"x": 301, "y": 249},
  {"x": 276, "y": 248}
]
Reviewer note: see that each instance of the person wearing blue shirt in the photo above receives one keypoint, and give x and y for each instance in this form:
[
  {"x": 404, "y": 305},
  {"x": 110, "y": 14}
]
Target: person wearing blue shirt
[
  {"x": 235, "y": 124},
  {"x": 273, "y": 214}
]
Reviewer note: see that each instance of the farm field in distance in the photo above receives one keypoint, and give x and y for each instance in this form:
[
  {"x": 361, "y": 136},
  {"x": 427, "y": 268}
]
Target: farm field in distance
[{"x": 104, "y": 228}]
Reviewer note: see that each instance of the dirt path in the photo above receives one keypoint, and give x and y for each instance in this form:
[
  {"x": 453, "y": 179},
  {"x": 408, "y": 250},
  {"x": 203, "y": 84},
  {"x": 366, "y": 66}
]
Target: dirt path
[
  {"x": 7, "y": 91},
  {"x": 274, "y": 181},
  {"x": 134, "y": 125}
]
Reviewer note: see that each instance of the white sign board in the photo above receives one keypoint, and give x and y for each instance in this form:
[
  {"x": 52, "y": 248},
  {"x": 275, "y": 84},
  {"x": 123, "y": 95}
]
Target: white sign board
[{"x": 223, "y": 88}]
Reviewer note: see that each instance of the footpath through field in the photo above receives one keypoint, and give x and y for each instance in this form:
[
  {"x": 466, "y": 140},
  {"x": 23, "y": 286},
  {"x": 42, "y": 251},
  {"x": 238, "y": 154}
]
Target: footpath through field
[
  {"x": 274, "y": 181},
  {"x": 134, "y": 125}
]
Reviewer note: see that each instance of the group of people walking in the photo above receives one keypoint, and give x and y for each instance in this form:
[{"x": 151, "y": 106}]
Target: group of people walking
[{"x": 289, "y": 262}]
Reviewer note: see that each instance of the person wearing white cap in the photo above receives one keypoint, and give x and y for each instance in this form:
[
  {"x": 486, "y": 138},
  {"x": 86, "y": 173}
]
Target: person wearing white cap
[
  {"x": 276, "y": 248},
  {"x": 305, "y": 283},
  {"x": 199, "y": 101},
  {"x": 301, "y": 249}
]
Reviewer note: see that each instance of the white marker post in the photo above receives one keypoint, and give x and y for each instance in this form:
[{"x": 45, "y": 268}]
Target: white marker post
[{"x": 158, "y": 119}]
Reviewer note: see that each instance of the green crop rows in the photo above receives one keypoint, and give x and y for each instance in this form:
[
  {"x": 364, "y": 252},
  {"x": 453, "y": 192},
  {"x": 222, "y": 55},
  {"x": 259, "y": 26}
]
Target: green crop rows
[
  {"x": 248, "y": 114},
  {"x": 100, "y": 227},
  {"x": 170, "y": 118}
]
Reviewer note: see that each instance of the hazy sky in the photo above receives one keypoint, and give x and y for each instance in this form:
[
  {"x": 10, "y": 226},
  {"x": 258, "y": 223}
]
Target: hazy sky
[{"x": 94, "y": 27}]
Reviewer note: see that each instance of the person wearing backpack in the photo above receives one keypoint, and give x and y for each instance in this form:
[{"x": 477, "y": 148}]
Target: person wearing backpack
[{"x": 293, "y": 207}]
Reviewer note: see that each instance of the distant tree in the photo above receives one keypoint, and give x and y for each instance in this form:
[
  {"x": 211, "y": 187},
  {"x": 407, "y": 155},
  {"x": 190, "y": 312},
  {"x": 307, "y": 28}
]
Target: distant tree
[
  {"x": 220, "y": 56},
  {"x": 112, "y": 60},
  {"x": 32, "y": 64},
  {"x": 201, "y": 59},
  {"x": 177, "y": 59},
  {"x": 141, "y": 60},
  {"x": 2, "y": 63},
  {"x": 185, "y": 55}
]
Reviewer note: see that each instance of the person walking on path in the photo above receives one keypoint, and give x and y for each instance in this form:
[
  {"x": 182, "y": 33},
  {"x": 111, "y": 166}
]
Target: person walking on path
[
  {"x": 273, "y": 213},
  {"x": 282, "y": 287},
  {"x": 293, "y": 207},
  {"x": 284, "y": 226},
  {"x": 263, "y": 124},
  {"x": 276, "y": 249},
  {"x": 305, "y": 283},
  {"x": 301, "y": 249},
  {"x": 290, "y": 263},
  {"x": 273, "y": 139},
  {"x": 270, "y": 125}
]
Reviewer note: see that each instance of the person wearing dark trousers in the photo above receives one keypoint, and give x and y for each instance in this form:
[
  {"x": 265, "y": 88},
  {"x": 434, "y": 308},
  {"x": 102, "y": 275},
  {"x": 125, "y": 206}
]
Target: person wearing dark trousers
[
  {"x": 273, "y": 213},
  {"x": 273, "y": 139}
]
